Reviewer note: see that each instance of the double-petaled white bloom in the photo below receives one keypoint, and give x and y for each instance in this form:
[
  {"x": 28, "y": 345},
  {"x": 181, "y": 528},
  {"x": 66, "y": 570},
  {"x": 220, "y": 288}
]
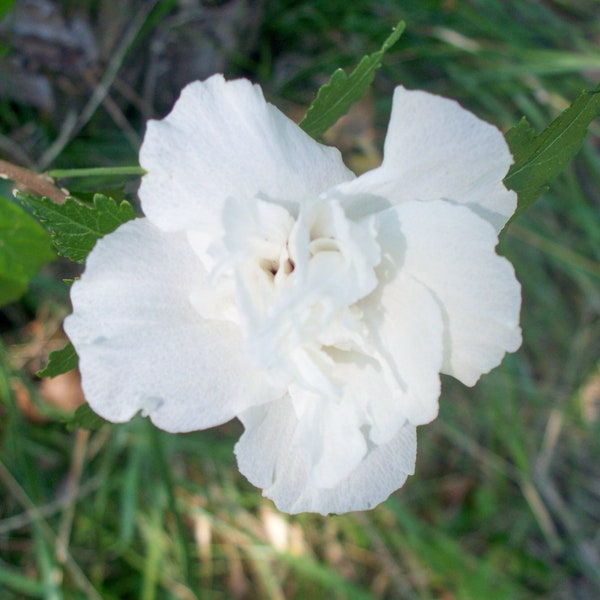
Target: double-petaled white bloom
[{"x": 267, "y": 282}]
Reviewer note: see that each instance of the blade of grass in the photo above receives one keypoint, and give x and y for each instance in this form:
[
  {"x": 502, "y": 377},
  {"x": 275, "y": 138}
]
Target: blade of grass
[
  {"x": 78, "y": 457},
  {"x": 104, "y": 85},
  {"x": 43, "y": 531},
  {"x": 21, "y": 584},
  {"x": 164, "y": 470},
  {"x": 560, "y": 252},
  {"x": 461, "y": 573},
  {"x": 129, "y": 505},
  {"x": 154, "y": 554}
]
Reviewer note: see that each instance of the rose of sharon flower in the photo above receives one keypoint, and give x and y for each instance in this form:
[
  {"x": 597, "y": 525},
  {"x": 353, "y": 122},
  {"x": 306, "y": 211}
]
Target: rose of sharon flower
[{"x": 268, "y": 283}]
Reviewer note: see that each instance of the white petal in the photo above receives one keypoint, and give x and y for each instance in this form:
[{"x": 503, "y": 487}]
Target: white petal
[
  {"x": 407, "y": 327},
  {"x": 331, "y": 436},
  {"x": 266, "y": 457},
  {"x": 451, "y": 251},
  {"x": 222, "y": 140},
  {"x": 141, "y": 344},
  {"x": 434, "y": 150}
]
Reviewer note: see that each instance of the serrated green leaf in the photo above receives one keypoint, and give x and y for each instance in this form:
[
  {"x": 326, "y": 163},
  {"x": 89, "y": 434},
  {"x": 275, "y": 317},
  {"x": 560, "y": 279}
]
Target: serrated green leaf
[
  {"x": 24, "y": 248},
  {"x": 60, "y": 361},
  {"x": 336, "y": 97},
  {"x": 75, "y": 227},
  {"x": 117, "y": 193},
  {"x": 540, "y": 158},
  {"x": 85, "y": 418}
]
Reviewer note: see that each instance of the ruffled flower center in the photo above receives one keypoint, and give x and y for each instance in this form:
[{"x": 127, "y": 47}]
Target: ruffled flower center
[{"x": 296, "y": 274}]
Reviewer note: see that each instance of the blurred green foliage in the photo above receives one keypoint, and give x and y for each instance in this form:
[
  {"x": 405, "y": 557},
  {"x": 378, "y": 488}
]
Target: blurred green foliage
[{"x": 24, "y": 249}]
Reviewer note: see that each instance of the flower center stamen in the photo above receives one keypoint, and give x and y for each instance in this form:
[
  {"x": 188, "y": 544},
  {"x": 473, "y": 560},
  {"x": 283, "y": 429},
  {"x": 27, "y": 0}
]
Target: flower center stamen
[{"x": 297, "y": 281}]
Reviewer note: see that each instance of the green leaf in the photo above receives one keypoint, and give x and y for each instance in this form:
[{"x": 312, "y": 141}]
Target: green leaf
[
  {"x": 85, "y": 418},
  {"x": 5, "y": 7},
  {"x": 24, "y": 249},
  {"x": 540, "y": 158},
  {"x": 86, "y": 196},
  {"x": 75, "y": 227},
  {"x": 342, "y": 91},
  {"x": 60, "y": 361}
]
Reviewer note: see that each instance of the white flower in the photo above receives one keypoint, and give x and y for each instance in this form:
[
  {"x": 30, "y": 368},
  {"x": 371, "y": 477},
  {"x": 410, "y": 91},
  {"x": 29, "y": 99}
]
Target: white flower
[{"x": 267, "y": 283}]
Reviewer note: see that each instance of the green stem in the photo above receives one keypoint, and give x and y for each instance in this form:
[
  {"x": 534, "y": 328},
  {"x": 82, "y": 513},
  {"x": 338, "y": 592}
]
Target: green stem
[{"x": 95, "y": 172}]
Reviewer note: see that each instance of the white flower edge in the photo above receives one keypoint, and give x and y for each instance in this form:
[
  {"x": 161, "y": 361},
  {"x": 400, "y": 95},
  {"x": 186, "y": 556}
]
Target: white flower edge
[
  {"x": 222, "y": 138},
  {"x": 137, "y": 336},
  {"x": 434, "y": 150},
  {"x": 269, "y": 461},
  {"x": 476, "y": 289}
]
